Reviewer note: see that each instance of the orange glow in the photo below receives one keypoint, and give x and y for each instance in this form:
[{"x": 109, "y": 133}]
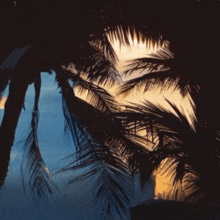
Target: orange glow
[
  {"x": 163, "y": 182},
  {"x": 2, "y": 102},
  {"x": 162, "y": 185}
]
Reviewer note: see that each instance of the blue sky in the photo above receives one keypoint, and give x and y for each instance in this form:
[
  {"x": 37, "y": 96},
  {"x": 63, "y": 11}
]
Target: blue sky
[
  {"x": 53, "y": 143},
  {"x": 75, "y": 202}
]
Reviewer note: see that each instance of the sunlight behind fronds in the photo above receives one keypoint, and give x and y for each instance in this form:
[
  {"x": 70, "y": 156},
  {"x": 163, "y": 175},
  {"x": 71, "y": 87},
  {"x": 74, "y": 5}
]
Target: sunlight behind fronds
[
  {"x": 145, "y": 47},
  {"x": 159, "y": 96},
  {"x": 136, "y": 47},
  {"x": 163, "y": 182},
  {"x": 132, "y": 48}
]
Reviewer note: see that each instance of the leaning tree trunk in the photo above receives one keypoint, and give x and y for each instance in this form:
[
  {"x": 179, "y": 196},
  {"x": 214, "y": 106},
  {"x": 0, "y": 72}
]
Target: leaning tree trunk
[{"x": 13, "y": 107}]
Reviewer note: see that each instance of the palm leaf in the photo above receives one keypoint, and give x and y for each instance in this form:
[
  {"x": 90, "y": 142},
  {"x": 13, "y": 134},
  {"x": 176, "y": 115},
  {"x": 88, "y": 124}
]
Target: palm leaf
[
  {"x": 101, "y": 43},
  {"x": 4, "y": 80},
  {"x": 106, "y": 170},
  {"x": 33, "y": 165},
  {"x": 96, "y": 66},
  {"x": 160, "y": 60},
  {"x": 159, "y": 70},
  {"x": 121, "y": 34},
  {"x": 8, "y": 65},
  {"x": 172, "y": 130},
  {"x": 126, "y": 34},
  {"x": 150, "y": 81},
  {"x": 96, "y": 96},
  {"x": 178, "y": 145},
  {"x": 97, "y": 160}
]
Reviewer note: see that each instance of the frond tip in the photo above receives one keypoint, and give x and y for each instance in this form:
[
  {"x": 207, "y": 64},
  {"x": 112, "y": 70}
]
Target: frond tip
[{"x": 33, "y": 167}]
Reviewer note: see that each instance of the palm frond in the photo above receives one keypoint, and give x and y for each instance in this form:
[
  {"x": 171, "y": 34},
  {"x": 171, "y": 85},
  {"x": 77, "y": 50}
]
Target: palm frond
[
  {"x": 161, "y": 118},
  {"x": 102, "y": 44},
  {"x": 172, "y": 132},
  {"x": 4, "y": 81},
  {"x": 157, "y": 61},
  {"x": 7, "y": 67},
  {"x": 170, "y": 127},
  {"x": 121, "y": 34},
  {"x": 109, "y": 130},
  {"x": 106, "y": 170},
  {"x": 33, "y": 165},
  {"x": 196, "y": 190},
  {"x": 159, "y": 70},
  {"x": 176, "y": 145},
  {"x": 95, "y": 95},
  {"x": 70, "y": 121},
  {"x": 126, "y": 34},
  {"x": 96, "y": 160},
  {"x": 97, "y": 67},
  {"x": 150, "y": 81},
  {"x": 162, "y": 54},
  {"x": 9, "y": 122}
]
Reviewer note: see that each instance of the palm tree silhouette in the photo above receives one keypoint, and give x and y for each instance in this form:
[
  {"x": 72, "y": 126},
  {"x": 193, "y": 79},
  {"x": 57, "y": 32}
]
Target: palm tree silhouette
[
  {"x": 101, "y": 134},
  {"x": 189, "y": 39}
]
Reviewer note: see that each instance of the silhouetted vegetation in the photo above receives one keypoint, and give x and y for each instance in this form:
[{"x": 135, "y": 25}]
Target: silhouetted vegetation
[{"x": 50, "y": 35}]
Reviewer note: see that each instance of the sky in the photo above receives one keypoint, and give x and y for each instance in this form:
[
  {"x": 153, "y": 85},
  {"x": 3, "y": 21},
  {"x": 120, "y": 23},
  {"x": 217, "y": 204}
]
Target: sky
[{"x": 54, "y": 146}]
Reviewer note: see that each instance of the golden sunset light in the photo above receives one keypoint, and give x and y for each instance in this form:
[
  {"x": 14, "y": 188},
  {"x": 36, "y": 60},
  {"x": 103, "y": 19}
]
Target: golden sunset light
[
  {"x": 2, "y": 102},
  {"x": 155, "y": 95},
  {"x": 163, "y": 182},
  {"x": 144, "y": 48}
]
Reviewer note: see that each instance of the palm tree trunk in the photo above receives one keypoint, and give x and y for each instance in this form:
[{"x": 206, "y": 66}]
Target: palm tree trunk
[{"x": 13, "y": 107}]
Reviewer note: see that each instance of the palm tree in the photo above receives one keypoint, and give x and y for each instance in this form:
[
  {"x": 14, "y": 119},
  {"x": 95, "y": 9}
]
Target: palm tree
[
  {"x": 114, "y": 148},
  {"x": 28, "y": 31},
  {"x": 99, "y": 138},
  {"x": 194, "y": 73},
  {"x": 96, "y": 63}
]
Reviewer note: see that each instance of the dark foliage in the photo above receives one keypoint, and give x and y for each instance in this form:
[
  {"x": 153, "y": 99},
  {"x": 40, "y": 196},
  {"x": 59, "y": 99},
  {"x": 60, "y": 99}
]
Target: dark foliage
[
  {"x": 173, "y": 210},
  {"x": 33, "y": 167},
  {"x": 108, "y": 145}
]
